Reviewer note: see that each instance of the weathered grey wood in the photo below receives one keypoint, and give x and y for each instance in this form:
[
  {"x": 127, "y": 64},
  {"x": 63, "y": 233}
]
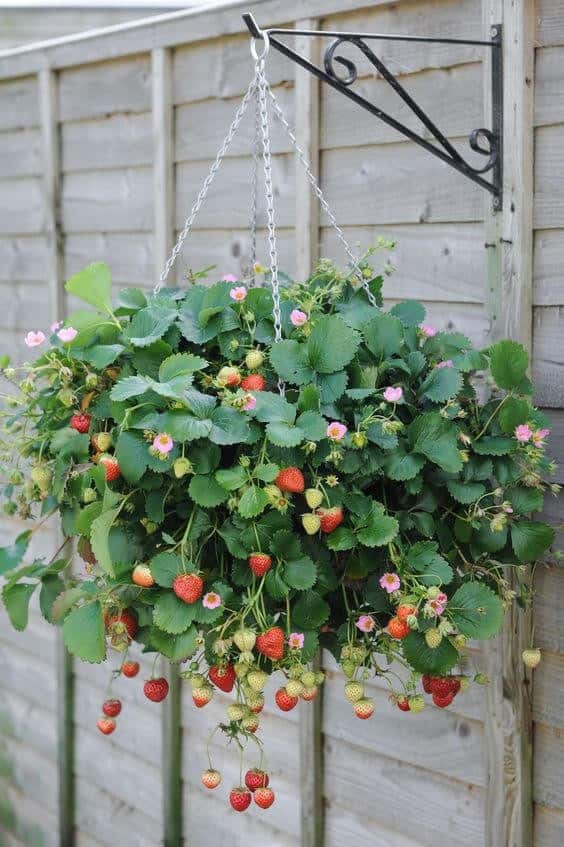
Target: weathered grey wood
[
  {"x": 550, "y": 22},
  {"x": 548, "y": 357},
  {"x": 344, "y": 827},
  {"x": 19, "y": 153},
  {"x": 549, "y": 179},
  {"x": 22, "y": 258},
  {"x": 89, "y": 91},
  {"x": 549, "y": 827},
  {"x": 549, "y": 753},
  {"x": 19, "y": 105},
  {"x": 163, "y": 163},
  {"x": 548, "y": 262},
  {"x": 549, "y": 97},
  {"x": 549, "y": 596},
  {"x": 27, "y": 820},
  {"x": 107, "y": 819},
  {"x": 21, "y": 211},
  {"x": 119, "y": 140},
  {"x": 549, "y": 682},
  {"x": 117, "y": 200},
  {"x": 129, "y": 255}
]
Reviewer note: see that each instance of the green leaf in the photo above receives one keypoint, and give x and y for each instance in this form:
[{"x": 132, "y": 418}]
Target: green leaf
[
  {"x": 290, "y": 361},
  {"x": 131, "y": 299},
  {"x": 383, "y": 335},
  {"x": 436, "y": 439},
  {"x": 441, "y": 384},
  {"x": 432, "y": 568},
  {"x": 331, "y": 345},
  {"x": 476, "y": 610},
  {"x": 129, "y": 386},
  {"x": 410, "y": 312},
  {"x": 132, "y": 453},
  {"x": 401, "y": 466},
  {"x": 181, "y": 364},
  {"x": 487, "y": 541},
  {"x": 206, "y": 491},
  {"x": 68, "y": 442},
  {"x": 99, "y": 539},
  {"x": 228, "y": 426},
  {"x": 530, "y": 539},
  {"x": 493, "y": 446},
  {"x": 164, "y": 568},
  {"x": 285, "y": 545},
  {"x": 308, "y": 401},
  {"x": 283, "y": 434},
  {"x": 177, "y": 648},
  {"x": 83, "y": 633},
  {"x": 10, "y": 557},
  {"x": 515, "y": 411},
  {"x": 341, "y": 539},
  {"x": 52, "y": 587},
  {"x": 310, "y": 611},
  {"x": 93, "y": 285},
  {"x": 266, "y": 473},
  {"x": 182, "y": 426},
  {"x": 173, "y": 615},
  {"x": 385, "y": 440},
  {"x": 423, "y": 659},
  {"x": 273, "y": 407},
  {"x": 355, "y": 312},
  {"x": 378, "y": 530},
  {"x": 508, "y": 363},
  {"x": 275, "y": 585},
  {"x": 300, "y": 573},
  {"x": 313, "y": 425},
  {"x": 232, "y": 478},
  {"x": 332, "y": 386},
  {"x": 16, "y": 600},
  {"x": 253, "y": 502},
  {"x": 525, "y": 500},
  {"x": 465, "y": 492},
  {"x": 103, "y": 355},
  {"x": 149, "y": 324}
]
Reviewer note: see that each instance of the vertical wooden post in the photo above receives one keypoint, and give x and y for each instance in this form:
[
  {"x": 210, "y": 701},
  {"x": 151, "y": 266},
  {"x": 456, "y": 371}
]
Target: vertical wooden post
[
  {"x": 509, "y": 241},
  {"x": 307, "y": 251},
  {"x": 163, "y": 205},
  {"x": 51, "y": 166}
]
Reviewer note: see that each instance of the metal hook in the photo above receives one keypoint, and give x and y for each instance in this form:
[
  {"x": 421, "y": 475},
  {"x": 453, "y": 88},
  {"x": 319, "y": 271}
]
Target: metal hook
[{"x": 266, "y": 42}]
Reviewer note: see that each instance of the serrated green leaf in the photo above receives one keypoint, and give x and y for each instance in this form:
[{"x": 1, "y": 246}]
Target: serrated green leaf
[
  {"x": 290, "y": 361},
  {"x": 402, "y": 466},
  {"x": 164, "y": 568},
  {"x": 253, "y": 502},
  {"x": 51, "y": 588},
  {"x": 465, "y": 492},
  {"x": 10, "y": 557},
  {"x": 423, "y": 659},
  {"x": 273, "y": 407},
  {"x": 102, "y": 355},
  {"x": 441, "y": 384},
  {"x": 84, "y": 634},
  {"x": 331, "y": 345},
  {"x": 228, "y": 426},
  {"x": 332, "y": 386},
  {"x": 183, "y": 426},
  {"x": 172, "y": 615},
  {"x": 409, "y": 312},
  {"x": 383, "y": 335},
  {"x": 285, "y": 545},
  {"x": 283, "y": 434},
  {"x": 206, "y": 491},
  {"x": 313, "y": 425},
  {"x": 475, "y": 610},
  {"x": 530, "y": 539},
  {"x": 300, "y": 573},
  {"x": 524, "y": 500},
  {"x": 436, "y": 439},
  {"x": 377, "y": 435},
  {"x": 132, "y": 453},
  {"x": 231, "y": 478},
  {"x": 508, "y": 364},
  {"x": 93, "y": 285},
  {"x": 180, "y": 364},
  {"x": 99, "y": 539},
  {"x": 266, "y": 473},
  {"x": 515, "y": 411},
  {"x": 308, "y": 400},
  {"x": 275, "y": 585},
  {"x": 129, "y": 386},
  {"x": 342, "y": 538},
  {"x": 177, "y": 648},
  {"x": 150, "y": 324},
  {"x": 493, "y": 445},
  {"x": 310, "y": 611},
  {"x": 378, "y": 530},
  {"x": 16, "y": 600},
  {"x": 425, "y": 560}
]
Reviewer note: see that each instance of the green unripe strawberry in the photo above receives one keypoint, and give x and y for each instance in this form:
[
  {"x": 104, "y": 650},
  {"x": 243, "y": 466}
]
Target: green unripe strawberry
[
  {"x": 181, "y": 467},
  {"x": 102, "y": 441},
  {"x": 348, "y": 667},
  {"x": 197, "y": 681},
  {"x": 319, "y": 677},
  {"x": 416, "y": 704},
  {"x": 359, "y": 440},
  {"x": 257, "y": 680},
  {"x": 245, "y": 639},
  {"x": 464, "y": 683},
  {"x": 296, "y": 671},
  {"x": 254, "y": 359},
  {"x": 482, "y": 679},
  {"x": 16, "y": 478},
  {"x": 91, "y": 381},
  {"x": 314, "y": 498},
  {"x": 358, "y": 654},
  {"x": 236, "y": 712},
  {"x": 308, "y": 679},
  {"x": 89, "y": 495},
  {"x": 433, "y": 592},
  {"x": 241, "y": 669},
  {"x": 10, "y": 508},
  {"x": 294, "y": 687},
  {"x": 354, "y": 691},
  {"x": 41, "y": 477},
  {"x": 531, "y": 657},
  {"x": 311, "y": 523},
  {"x": 433, "y": 638},
  {"x": 459, "y": 641},
  {"x": 247, "y": 658},
  {"x": 66, "y": 397}
]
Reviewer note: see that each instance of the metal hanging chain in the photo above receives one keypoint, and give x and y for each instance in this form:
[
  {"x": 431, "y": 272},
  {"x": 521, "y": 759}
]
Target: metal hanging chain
[
  {"x": 207, "y": 182},
  {"x": 321, "y": 197},
  {"x": 254, "y": 192}
]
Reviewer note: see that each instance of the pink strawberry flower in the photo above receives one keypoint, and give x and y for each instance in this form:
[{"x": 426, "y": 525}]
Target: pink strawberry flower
[
  {"x": 229, "y": 278},
  {"x": 55, "y": 326},
  {"x": 249, "y": 402},
  {"x": 523, "y": 433},
  {"x": 297, "y": 317},
  {"x": 238, "y": 293},
  {"x": 365, "y": 623},
  {"x": 437, "y": 604},
  {"x": 67, "y": 334},
  {"x": 446, "y": 363},
  {"x": 211, "y": 600},
  {"x": 539, "y": 436},
  {"x": 508, "y": 509},
  {"x": 163, "y": 443},
  {"x": 393, "y": 394},
  {"x": 427, "y": 331},
  {"x": 33, "y": 339},
  {"x": 390, "y": 582},
  {"x": 336, "y": 431},
  {"x": 296, "y": 640}
]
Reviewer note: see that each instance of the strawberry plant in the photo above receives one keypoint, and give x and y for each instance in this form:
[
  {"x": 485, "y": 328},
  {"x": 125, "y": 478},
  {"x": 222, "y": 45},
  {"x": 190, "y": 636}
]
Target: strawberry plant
[{"x": 377, "y": 507}]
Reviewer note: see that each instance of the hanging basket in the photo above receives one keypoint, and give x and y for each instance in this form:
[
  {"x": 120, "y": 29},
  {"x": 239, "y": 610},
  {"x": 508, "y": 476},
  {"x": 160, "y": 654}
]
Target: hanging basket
[{"x": 252, "y": 473}]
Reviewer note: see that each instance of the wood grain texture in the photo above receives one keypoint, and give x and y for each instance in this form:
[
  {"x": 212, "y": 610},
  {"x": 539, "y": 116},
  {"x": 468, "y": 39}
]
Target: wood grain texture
[
  {"x": 118, "y": 140},
  {"x": 123, "y": 85},
  {"x": 548, "y": 356},
  {"x": 19, "y": 106},
  {"x": 22, "y": 259},
  {"x": 548, "y": 275},
  {"x": 549, "y": 753},
  {"x": 550, "y": 22},
  {"x": 21, "y": 211},
  {"x": 549, "y": 827},
  {"x": 549, "y": 177},
  {"x": 162, "y": 156},
  {"x": 20, "y": 153},
  {"x": 549, "y": 97},
  {"x": 103, "y": 201},
  {"x": 129, "y": 255},
  {"x": 549, "y": 596},
  {"x": 549, "y": 682}
]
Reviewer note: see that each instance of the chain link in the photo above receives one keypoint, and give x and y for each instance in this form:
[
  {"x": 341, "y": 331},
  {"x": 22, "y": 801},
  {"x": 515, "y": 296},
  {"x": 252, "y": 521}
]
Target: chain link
[
  {"x": 320, "y": 196},
  {"x": 205, "y": 187},
  {"x": 254, "y": 192}
]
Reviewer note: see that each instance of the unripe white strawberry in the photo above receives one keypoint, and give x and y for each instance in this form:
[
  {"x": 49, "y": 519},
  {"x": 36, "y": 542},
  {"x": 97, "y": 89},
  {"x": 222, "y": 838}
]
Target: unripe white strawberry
[
  {"x": 314, "y": 497},
  {"x": 257, "y": 680},
  {"x": 311, "y": 523},
  {"x": 236, "y": 712},
  {"x": 433, "y": 638},
  {"x": 245, "y": 639},
  {"x": 531, "y": 657},
  {"x": 354, "y": 691},
  {"x": 416, "y": 704},
  {"x": 308, "y": 679},
  {"x": 254, "y": 359},
  {"x": 294, "y": 687}
]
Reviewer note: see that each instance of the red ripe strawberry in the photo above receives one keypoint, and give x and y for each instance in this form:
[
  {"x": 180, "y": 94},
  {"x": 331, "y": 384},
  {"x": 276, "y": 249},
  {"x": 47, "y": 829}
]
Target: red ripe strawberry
[
  {"x": 363, "y": 709},
  {"x": 404, "y": 611},
  {"x": 111, "y": 466},
  {"x": 264, "y": 797},
  {"x": 202, "y": 696},
  {"x": 253, "y": 382},
  {"x": 443, "y": 700},
  {"x": 124, "y": 619},
  {"x": 211, "y": 778},
  {"x": 403, "y": 704},
  {"x": 111, "y": 708},
  {"x": 426, "y": 682},
  {"x": 240, "y": 798},
  {"x": 397, "y": 629},
  {"x": 330, "y": 518},
  {"x": 256, "y": 778},
  {"x": 223, "y": 677},
  {"x": 188, "y": 587},
  {"x": 284, "y": 701},
  {"x": 454, "y": 685},
  {"x": 291, "y": 480},
  {"x": 156, "y": 689},
  {"x": 271, "y": 643},
  {"x": 130, "y": 669},
  {"x": 85, "y": 550},
  {"x": 80, "y": 422},
  {"x": 260, "y": 563},
  {"x": 106, "y": 725},
  {"x": 441, "y": 686}
]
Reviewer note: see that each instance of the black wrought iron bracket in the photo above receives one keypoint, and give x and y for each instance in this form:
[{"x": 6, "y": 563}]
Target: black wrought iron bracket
[{"x": 486, "y": 142}]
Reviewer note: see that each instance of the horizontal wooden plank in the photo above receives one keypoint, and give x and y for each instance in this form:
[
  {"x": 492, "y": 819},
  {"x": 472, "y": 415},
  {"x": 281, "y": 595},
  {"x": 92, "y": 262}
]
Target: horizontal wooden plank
[
  {"x": 119, "y": 140},
  {"x": 342, "y": 826},
  {"x": 549, "y": 177},
  {"x": 548, "y": 690},
  {"x": 28, "y": 677},
  {"x": 396, "y": 183},
  {"x": 19, "y": 106},
  {"x": 548, "y": 356},
  {"x": 548, "y": 826},
  {"x": 452, "y": 97},
  {"x": 548, "y": 260},
  {"x": 30, "y": 772},
  {"x": 553, "y": 511},
  {"x": 549, "y": 600},
  {"x": 227, "y": 204},
  {"x": 129, "y": 255},
  {"x": 550, "y": 22},
  {"x": 200, "y": 127},
  {"x": 24, "y": 305},
  {"x": 28, "y": 723},
  {"x": 22, "y": 259},
  {"x": 439, "y": 808},
  {"x": 548, "y": 785},
  {"x": 229, "y": 69},
  {"x": 468, "y": 318},
  {"x": 437, "y": 740},
  {"x": 20, "y": 153},
  {"x": 549, "y": 96},
  {"x": 21, "y": 210},
  {"x": 433, "y": 262},
  {"x": 110, "y": 820},
  {"x": 123, "y": 85},
  {"x": 28, "y": 821},
  {"x": 105, "y": 201}
]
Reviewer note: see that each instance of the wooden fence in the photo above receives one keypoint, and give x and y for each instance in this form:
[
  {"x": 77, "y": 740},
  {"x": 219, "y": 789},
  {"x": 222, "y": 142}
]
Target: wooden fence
[{"x": 104, "y": 141}]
